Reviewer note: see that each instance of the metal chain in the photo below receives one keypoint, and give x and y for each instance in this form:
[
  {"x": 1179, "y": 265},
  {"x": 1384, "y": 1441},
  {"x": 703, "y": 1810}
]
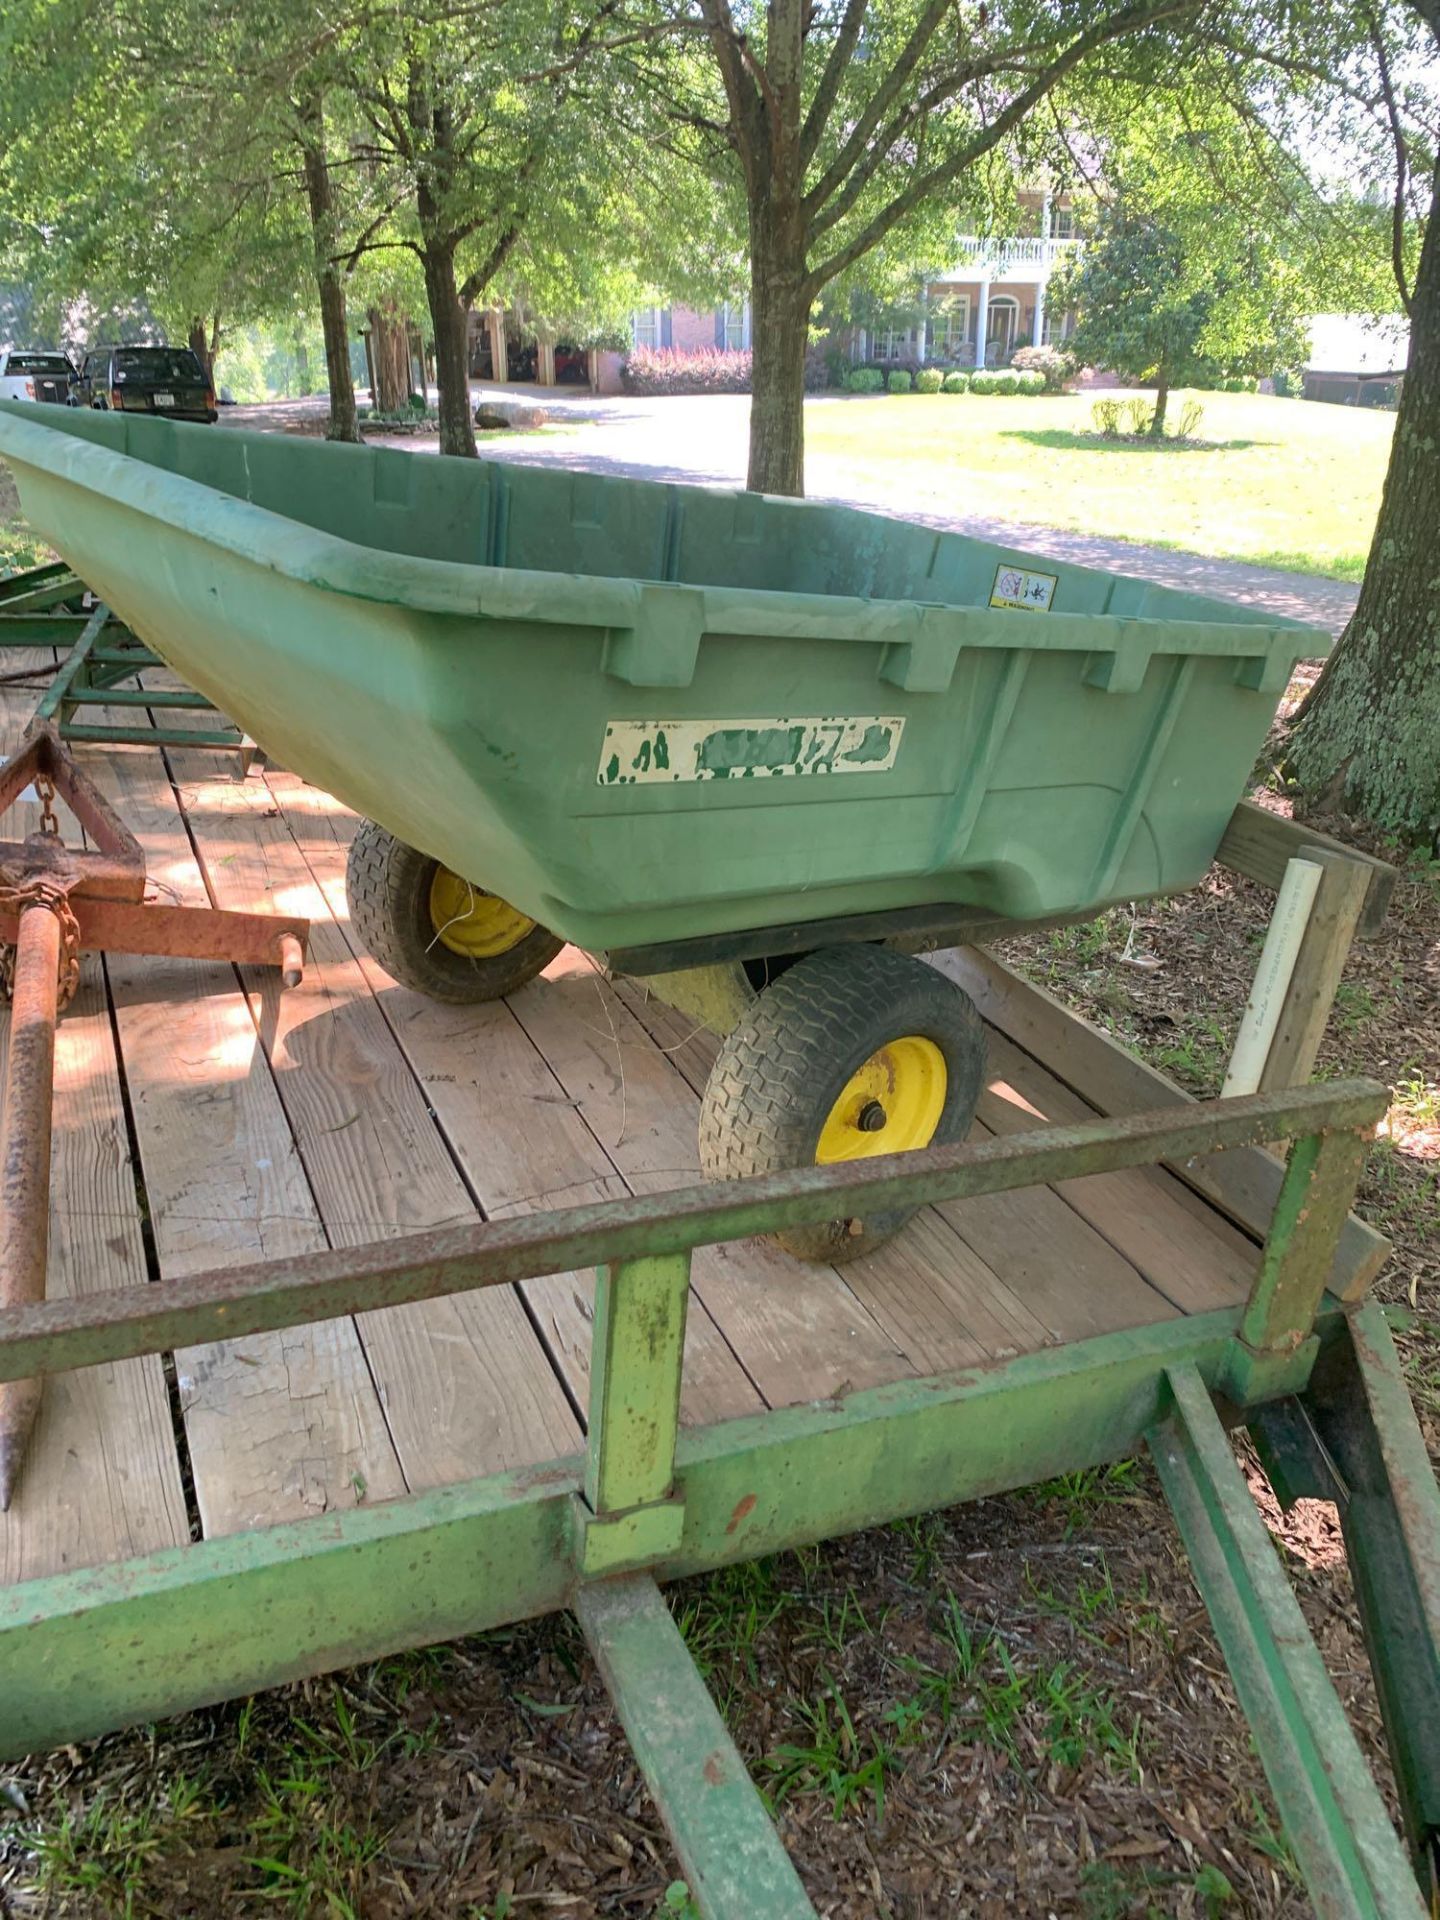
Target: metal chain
[
  {"x": 40, "y": 893},
  {"x": 45, "y": 788}
]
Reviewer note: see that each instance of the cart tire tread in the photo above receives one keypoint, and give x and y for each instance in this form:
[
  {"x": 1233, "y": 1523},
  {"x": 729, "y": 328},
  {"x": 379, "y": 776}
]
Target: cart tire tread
[
  {"x": 387, "y": 885},
  {"x": 783, "y": 1066}
]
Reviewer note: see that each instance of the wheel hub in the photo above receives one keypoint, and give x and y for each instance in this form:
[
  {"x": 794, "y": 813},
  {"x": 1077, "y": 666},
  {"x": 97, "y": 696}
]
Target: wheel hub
[
  {"x": 470, "y": 921},
  {"x": 890, "y": 1104}
]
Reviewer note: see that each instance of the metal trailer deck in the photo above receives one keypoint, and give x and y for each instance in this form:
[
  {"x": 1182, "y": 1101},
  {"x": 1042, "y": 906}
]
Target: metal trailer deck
[{"x": 400, "y": 1409}]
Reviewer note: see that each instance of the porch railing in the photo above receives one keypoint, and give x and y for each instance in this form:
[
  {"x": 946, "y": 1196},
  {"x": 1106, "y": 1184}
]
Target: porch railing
[{"x": 1034, "y": 257}]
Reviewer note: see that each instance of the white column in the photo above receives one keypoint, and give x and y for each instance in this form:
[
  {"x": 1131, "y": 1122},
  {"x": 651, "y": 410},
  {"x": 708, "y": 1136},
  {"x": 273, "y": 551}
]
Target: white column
[
  {"x": 982, "y": 321},
  {"x": 1040, "y": 314},
  {"x": 1045, "y": 218},
  {"x": 924, "y": 324}
]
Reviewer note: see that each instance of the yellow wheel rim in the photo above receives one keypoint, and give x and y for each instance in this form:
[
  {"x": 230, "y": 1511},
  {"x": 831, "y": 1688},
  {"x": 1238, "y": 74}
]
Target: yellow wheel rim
[
  {"x": 892, "y": 1104},
  {"x": 470, "y": 921}
]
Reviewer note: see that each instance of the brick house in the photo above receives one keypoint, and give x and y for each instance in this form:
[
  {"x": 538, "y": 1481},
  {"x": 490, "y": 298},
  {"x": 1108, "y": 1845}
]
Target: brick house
[{"x": 997, "y": 291}]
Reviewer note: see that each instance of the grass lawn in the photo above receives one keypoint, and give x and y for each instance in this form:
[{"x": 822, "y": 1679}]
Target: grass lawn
[{"x": 1285, "y": 483}]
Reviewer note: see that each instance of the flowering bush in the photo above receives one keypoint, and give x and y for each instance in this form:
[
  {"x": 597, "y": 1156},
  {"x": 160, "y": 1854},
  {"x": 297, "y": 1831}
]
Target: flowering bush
[
  {"x": 865, "y": 380},
  {"x": 957, "y": 382},
  {"x": 1053, "y": 366},
  {"x": 929, "y": 380},
  {"x": 899, "y": 381},
  {"x": 662, "y": 370}
]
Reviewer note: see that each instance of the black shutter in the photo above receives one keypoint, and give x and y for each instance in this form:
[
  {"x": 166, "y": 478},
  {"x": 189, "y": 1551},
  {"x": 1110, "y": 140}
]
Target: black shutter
[{"x": 665, "y": 327}]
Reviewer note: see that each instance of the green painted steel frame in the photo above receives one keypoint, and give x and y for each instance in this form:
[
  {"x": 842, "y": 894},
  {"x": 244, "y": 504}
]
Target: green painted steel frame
[
  {"x": 90, "y": 1650},
  {"x": 102, "y": 654}
]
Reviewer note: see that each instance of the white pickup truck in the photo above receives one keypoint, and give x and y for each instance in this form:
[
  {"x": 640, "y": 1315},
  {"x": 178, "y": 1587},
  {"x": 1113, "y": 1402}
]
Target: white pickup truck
[{"x": 30, "y": 374}]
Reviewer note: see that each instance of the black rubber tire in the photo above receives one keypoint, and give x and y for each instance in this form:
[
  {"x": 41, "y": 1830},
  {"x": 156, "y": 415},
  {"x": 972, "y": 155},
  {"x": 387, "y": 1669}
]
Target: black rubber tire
[
  {"x": 387, "y": 884},
  {"x": 782, "y": 1069}
]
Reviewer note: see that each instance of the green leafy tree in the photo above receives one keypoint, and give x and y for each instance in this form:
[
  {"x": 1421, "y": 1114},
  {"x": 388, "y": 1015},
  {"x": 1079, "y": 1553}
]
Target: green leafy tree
[
  {"x": 1207, "y": 249},
  {"x": 850, "y": 126}
]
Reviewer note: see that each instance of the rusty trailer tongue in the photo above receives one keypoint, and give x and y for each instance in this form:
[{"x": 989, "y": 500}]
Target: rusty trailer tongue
[{"x": 57, "y": 901}]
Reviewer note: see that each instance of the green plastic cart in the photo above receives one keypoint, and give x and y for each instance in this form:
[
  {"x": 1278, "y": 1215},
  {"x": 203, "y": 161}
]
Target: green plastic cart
[{"x": 748, "y": 748}]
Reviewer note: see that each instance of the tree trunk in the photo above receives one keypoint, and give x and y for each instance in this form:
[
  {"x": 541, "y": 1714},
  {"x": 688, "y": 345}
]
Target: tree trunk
[
  {"x": 452, "y": 369},
  {"x": 328, "y": 279},
  {"x": 780, "y": 333},
  {"x": 200, "y": 346},
  {"x": 1370, "y": 732},
  {"x": 1162, "y": 401},
  {"x": 389, "y": 331}
]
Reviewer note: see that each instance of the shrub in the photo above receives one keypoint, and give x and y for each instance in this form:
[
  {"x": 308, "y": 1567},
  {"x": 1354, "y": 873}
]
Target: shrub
[
  {"x": 957, "y": 382},
  {"x": 662, "y": 370},
  {"x": 865, "y": 380},
  {"x": 1006, "y": 383},
  {"x": 983, "y": 382},
  {"x": 1053, "y": 366},
  {"x": 1031, "y": 382},
  {"x": 899, "y": 381},
  {"x": 1239, "y": 383},
  {"x": 929, "y": 380},
  {"x": 1106, "y": 416},
  {"x": 1188, "y": 419},
  {"x": 1289, "y": 382}
]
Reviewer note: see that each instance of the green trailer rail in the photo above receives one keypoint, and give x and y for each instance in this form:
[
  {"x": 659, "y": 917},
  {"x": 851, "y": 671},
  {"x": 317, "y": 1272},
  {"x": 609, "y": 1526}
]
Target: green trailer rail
[
  {"x": 1313, "y": 1374},
  {"x": 51, "y": 606}
]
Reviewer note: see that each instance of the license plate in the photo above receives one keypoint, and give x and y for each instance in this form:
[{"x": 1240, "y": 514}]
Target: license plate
[{"x": 164, "y": 399}]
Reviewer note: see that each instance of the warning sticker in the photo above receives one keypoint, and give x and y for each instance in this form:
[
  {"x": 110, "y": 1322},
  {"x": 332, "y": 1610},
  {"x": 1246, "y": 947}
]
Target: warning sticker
[
  {"x": 1030, "y": 592},
  {"x": 639, "y": 752}
]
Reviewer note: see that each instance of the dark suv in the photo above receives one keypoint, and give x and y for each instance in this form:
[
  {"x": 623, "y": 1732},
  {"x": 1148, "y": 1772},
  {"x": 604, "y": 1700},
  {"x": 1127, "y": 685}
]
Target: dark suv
[{"x": 168, "y": 381}]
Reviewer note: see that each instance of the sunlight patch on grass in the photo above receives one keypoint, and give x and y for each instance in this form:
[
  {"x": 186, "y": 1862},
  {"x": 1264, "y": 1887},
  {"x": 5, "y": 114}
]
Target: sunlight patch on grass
[{"x": 1290, "y": 484}]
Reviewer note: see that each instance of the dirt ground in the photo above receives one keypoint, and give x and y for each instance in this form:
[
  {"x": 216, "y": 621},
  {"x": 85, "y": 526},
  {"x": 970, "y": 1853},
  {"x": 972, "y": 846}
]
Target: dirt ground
[{"x": 1015, "y": 1707}]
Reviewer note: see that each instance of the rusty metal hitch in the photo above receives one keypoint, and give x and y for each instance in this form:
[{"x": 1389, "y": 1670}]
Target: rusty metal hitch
[{"x": 55, "y": 902}]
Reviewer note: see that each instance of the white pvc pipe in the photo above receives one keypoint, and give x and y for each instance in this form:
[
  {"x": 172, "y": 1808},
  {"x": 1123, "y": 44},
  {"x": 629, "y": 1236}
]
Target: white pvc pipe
[{"x": 1288, "y": 922}]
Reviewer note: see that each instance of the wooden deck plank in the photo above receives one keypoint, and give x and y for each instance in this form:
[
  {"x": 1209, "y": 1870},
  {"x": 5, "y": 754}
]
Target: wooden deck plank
[
  {"x": 102, "y": 1476},
  {"x": 1242, "y": 1184},
  {"x": 799, "y": 1330},
  {"x": 465, "y": 1382},
  {"x": 281, "y": 1425},
  {"x": 1009, "y": 1272},
  {"x": 1191, "y": 1253},
  {"x": 513, "y": 1129}
]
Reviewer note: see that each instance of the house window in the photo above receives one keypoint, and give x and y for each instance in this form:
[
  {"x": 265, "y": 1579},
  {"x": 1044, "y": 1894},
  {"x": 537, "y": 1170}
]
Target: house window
[
  {"x": 947, "y": 329},
  {"x": 735, "y": 318},
  {"x": 645, "y": 327},
  {"x": 1062, "y": 223},
  {"x": 893, "y": 343}
]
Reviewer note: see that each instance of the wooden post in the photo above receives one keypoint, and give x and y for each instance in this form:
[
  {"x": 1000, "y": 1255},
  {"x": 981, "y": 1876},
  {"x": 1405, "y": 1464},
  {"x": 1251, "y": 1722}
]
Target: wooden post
[{"x": 1305, "y": 1012}]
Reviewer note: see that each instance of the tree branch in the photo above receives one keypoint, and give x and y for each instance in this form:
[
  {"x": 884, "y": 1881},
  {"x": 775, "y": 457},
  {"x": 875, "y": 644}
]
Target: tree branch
[
  {"x": 821, "y": 107},
  {"x": 1128, "y": 20},
  {"x": 879, "y": 105}
]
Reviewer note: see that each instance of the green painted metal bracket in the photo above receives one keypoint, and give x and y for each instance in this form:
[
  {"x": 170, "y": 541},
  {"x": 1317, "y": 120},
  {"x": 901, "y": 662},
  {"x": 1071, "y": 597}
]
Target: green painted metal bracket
[
  {"x": 1316, "y": 1195},
  {"x": 1354, "y": 1865},
  {"x": 630, "y": 1515},
  {"x": 729, "y": 1851}
]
